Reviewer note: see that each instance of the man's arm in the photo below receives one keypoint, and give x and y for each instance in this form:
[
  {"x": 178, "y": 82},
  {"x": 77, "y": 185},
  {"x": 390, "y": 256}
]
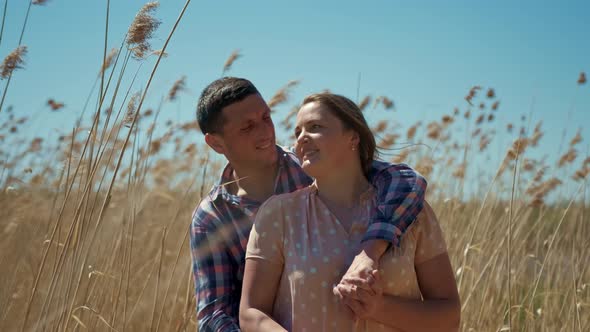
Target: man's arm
[
  {"x": 215, "y": 280},
  {"x": 400, "y": 198}
]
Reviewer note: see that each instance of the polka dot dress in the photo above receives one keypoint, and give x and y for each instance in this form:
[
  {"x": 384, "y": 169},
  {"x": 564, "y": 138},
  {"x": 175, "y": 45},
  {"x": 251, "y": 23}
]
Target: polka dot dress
[{"x": 313, "y": 249}]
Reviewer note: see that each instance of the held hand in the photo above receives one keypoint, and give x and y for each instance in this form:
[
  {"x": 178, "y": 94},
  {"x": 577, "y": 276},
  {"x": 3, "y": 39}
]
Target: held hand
[
  {"x": 360, "y": 302},
  {"x": 360, "y": 269}
]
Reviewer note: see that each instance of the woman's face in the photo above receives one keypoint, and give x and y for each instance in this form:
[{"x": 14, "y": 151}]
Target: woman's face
[{"x": 321, "y": 142}]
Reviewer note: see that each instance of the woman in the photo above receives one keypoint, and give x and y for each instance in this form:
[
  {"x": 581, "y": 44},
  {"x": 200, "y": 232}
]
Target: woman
[{"x": 302, "y": 243}]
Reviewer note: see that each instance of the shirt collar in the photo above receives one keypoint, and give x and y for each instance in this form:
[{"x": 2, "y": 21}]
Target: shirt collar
[{"x": 220, "y": 189}]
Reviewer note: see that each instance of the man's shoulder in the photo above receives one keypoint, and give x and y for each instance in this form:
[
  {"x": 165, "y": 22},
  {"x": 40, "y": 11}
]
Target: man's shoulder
[
  {"x": 403, "y": 173},
  {"x": 379, "y": 165},
  {"x": 206, "y": 215}
]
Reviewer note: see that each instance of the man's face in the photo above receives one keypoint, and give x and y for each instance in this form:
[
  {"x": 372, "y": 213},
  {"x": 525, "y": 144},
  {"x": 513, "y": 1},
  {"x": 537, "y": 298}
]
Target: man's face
[{"x": 247, "y": 138}]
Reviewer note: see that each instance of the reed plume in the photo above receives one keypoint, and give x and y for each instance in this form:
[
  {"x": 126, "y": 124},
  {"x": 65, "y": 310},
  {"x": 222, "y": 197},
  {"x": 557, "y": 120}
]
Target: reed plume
[
  {"x": 582, "y": 78},
  {"x": 282, "y": 95},
  {"x": 54, "y": 105},
  {"x": 13, "y": 61},
  {"x": 142, "y": 29},
  {"x": 364, "y": 103},
  {"x": 230, "y": 61},
  {"x": 179, "y": 85},
  {"x": 109, "y": 60}
]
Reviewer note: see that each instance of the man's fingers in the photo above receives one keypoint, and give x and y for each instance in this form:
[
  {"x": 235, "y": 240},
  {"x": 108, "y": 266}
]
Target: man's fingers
[
  {"x": 355, "y": 293},
  {"x": 358, "y": 282},
  {"x": 349, "y": 291},
  {"x": 337, "y": 292}
]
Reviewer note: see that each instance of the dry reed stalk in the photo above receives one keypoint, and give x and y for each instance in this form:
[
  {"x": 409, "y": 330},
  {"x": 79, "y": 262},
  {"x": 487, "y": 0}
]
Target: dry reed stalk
[
  {"x": 83, "y": 201},
  {"x": 550, "y": 246},
  {"x": 282, "y": 95},
  {"x": 20, "y": 41},
  {"x": 162, "y": 245},
  {"x": 119, "y": 160},
  {"x": 3, "y": 20}
]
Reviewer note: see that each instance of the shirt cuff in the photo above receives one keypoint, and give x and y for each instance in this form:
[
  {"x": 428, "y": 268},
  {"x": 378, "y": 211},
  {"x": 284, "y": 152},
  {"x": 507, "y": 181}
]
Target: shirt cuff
[{"x": 382, "y": 230}]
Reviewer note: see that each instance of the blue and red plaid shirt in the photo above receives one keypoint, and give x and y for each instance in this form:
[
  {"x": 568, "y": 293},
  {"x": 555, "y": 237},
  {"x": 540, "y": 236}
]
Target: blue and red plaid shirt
[{"x": 221, "y": 226}]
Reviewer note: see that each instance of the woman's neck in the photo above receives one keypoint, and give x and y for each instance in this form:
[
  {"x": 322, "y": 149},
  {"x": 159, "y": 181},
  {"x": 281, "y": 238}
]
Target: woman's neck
[{"x": 343, "y": 187}]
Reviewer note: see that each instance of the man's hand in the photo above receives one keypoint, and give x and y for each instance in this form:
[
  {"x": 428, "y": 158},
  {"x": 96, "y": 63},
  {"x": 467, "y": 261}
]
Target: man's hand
[{"x": 363, "y": 265}]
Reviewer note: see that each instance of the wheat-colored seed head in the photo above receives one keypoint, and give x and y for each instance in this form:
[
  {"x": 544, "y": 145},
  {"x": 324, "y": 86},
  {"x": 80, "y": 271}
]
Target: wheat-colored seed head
[
  {"x": 109, "y": 60},
  {"x": 479, "y": 119},
  {"x": 380, "y": 127},
  {"x": 577, "y": 139},
  {"x": 582, "y": 78},
  {"x": 13, "y": 61},
  {"x": 130, "y": 114},
  {"x": 142, "y": 29},
  {"x": 178, "y": 86},
  {"x": 230, "y": 61},
  {"x": 54, "y": 105},
  {"x": 568, "y": 157},
  {"x": 364, "y": 103}
]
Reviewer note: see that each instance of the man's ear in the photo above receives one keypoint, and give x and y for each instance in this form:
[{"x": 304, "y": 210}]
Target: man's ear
[{"x": 215, "y": 142}]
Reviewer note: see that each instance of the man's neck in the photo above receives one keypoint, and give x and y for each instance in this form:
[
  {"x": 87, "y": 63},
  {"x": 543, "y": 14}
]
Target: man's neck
[{"x": 257, "y": 184}]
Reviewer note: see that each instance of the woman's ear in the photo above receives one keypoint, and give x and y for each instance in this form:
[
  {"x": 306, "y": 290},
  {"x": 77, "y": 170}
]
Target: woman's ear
[
  {"x": 354, "y": 140},
  {"x": 215, "y": 142}
]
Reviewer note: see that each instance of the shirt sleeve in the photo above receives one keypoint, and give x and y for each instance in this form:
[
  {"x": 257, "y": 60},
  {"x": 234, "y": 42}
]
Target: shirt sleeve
[
  {"x": 430, "y": 241},
  {"x": 215, "y": 278},
  {"x": 400, "y": 198},
  {"x": 266, "y": 236}
]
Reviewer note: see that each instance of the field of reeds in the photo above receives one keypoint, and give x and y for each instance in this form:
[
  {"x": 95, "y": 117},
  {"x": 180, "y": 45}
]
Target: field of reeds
[{"x": 94, "y": 225}]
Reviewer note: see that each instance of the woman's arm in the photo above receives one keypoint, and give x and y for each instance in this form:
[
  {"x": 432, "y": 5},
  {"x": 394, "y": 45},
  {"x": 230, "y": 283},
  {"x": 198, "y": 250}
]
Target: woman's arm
[
  {"x": 261, "y": 281},
  {"x": 440, "y": 310}
]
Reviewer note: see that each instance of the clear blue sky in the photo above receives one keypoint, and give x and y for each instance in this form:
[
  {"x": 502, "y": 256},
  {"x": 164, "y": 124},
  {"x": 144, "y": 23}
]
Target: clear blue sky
[{"x": 425, "y": 55}]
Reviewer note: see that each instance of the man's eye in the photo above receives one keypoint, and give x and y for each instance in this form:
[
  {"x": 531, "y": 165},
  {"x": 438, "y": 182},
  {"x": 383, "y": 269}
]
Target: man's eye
[{"x": 246, "y": 129}]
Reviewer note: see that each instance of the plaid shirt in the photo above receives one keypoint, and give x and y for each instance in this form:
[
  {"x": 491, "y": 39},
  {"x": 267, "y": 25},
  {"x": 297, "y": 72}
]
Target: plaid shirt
[{"x": 221, "y": 226}]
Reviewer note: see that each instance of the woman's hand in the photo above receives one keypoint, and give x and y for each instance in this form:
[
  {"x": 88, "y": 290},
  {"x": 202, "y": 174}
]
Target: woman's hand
[{"x": 361, "y": 296}]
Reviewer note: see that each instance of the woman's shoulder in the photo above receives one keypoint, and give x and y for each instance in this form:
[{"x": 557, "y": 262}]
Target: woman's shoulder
[{"x": 287, "y": 199}]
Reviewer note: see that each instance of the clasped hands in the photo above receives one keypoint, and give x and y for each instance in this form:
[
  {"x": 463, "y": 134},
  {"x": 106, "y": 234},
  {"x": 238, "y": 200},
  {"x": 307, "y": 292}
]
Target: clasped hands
[{"x": 360, "y": 290}]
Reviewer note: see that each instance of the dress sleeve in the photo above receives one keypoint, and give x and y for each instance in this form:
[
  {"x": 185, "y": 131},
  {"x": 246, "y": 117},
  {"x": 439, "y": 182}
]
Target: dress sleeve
[
  {"x": 430, "y": 241},
  {"x": 266, "y": 237},
  {"x": 400, "y": 198}
]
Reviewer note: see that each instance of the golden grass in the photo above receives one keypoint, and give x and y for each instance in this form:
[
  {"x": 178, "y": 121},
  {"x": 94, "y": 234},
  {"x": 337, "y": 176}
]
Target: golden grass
[{"x": 95, "y": 224}]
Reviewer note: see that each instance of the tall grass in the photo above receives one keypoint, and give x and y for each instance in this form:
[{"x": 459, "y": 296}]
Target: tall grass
[{"x": 95, "y": 224}]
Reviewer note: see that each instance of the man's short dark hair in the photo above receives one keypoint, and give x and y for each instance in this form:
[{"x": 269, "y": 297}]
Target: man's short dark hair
[{"x": 217, "y": 95}]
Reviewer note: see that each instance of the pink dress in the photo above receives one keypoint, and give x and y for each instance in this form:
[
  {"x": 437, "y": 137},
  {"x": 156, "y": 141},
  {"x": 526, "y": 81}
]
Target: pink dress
[{"x": 301, "y": 237}]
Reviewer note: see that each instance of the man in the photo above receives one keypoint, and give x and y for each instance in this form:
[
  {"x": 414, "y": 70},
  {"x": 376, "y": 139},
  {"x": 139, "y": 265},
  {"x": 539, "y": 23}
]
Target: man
[{"x": 236, "y": 122}]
